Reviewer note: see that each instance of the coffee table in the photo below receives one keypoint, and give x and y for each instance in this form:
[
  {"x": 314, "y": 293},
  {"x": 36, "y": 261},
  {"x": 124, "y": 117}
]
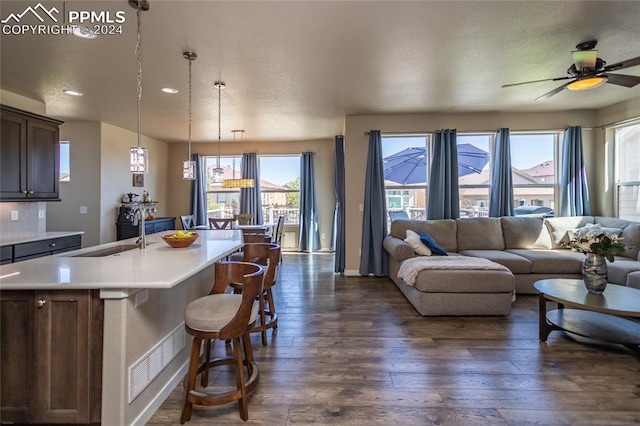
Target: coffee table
[{"x": 608, "y": 317}]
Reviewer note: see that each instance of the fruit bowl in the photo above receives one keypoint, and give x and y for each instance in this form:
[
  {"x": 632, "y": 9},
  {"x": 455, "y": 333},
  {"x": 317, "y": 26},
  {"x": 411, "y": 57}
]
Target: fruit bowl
[{"x": 180, "y": 239}]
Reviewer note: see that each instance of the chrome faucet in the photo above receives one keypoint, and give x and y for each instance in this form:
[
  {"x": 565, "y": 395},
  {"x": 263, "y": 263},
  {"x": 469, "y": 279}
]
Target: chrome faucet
[{"x": 142, "y": 239}]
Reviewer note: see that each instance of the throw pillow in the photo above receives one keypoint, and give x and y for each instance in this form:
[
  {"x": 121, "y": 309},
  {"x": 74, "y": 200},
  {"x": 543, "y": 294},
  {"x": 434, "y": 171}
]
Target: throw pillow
[
  {"x": 413, "y": 240},
  {"x": 428, "y": 241},
  {"x": 593, "y": 230}
]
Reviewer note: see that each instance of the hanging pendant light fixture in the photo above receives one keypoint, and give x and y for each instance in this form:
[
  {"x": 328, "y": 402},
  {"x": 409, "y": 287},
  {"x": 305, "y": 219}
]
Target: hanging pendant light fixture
[
  {"x": 139, "y": 156},
  {"x": 189, "y": 166},
  {"x": 218, "y": 173},
  {"x": 233, "y": 182}
]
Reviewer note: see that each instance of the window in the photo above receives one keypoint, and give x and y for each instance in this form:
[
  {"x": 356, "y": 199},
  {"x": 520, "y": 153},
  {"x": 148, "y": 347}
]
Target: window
[
  {"x": 474, "y": 176},
  {"x": 627, "y": 143},
  {"x": 65, "y": 175},
  {"x": 406, "y": 169},
  {"x": 280, "y": 188},
  {"x": 533, "y": 173},
  {"x": 222, "y": 202}
]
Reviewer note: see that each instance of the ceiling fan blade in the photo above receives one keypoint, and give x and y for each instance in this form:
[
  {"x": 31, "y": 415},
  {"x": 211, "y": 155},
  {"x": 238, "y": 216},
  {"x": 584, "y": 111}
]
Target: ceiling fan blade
[
  {"x": 537, "y": 81},
  {"x": 623, "y": 64},
  {"x": 585, "y": 59},
  {"x": 622, "y": 79},
  {"x": 553, "y": 92}
]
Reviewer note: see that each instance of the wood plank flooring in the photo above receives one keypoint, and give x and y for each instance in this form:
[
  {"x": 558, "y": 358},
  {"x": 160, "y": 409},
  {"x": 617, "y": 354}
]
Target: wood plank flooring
[{"x": 353, "y": 351}]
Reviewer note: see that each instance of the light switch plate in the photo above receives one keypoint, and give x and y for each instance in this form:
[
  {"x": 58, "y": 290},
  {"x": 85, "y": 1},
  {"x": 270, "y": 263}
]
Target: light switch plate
[
  {"x": 83, "y": 209},
  {"x": 14, "y": 214},
  {"x": 40, "y": 214}
]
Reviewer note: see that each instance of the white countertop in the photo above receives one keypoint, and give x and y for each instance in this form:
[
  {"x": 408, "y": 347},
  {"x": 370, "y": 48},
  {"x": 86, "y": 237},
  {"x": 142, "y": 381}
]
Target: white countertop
[
  {"x": 7, "y": 240},
  {"x": 118, "y": 275}
]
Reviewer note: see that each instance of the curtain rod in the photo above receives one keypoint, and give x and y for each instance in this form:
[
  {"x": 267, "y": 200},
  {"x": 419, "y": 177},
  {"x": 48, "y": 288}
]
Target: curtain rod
[
  {"x": 493, "y": 131},
  {"x": 620, "y": 122}
]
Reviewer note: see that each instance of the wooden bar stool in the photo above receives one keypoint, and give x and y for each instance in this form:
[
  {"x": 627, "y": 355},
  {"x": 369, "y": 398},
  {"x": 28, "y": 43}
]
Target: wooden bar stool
[
  {"x": 268, "y": 255},
  {"x": 224, "y": 316}
]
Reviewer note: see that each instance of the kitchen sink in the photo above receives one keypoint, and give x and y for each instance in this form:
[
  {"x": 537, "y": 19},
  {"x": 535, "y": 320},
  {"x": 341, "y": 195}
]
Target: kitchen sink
[{"x": 108, "y": 251}]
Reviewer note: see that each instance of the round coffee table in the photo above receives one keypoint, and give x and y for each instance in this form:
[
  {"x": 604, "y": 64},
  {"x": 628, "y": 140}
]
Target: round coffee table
[{"x": 608, "y": 317}]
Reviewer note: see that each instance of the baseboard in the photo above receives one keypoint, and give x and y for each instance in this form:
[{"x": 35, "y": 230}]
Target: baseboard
[{"x": 351, "y": 273}]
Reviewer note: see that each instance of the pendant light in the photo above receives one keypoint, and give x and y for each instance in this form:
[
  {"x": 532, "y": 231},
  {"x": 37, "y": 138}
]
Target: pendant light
[
  {"x": 189, "y": 166},
  {"x": 233, "y": 182},
  {"x": 217, "y": 175},
  {"x": 138, "y": 156}
]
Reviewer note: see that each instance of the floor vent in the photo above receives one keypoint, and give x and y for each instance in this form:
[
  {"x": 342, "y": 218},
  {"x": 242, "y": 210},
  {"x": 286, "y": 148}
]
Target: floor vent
[{"x": 153, "y": 362}]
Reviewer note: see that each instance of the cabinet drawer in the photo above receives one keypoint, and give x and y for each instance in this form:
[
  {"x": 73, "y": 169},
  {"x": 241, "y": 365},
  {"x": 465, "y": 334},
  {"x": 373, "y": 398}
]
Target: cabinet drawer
[
  {"x": 6, "y": 254},
  {"x": 43, "y": 247}
]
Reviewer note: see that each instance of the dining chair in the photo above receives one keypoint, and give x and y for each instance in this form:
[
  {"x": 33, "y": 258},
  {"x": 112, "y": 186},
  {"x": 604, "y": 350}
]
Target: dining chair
[
  {"x": 267, "y": 255},
  {"x": 277, "y": 233},
  {"x": 217, "y": 223},
  {"x": 224, "y": 316},
  {"x": 244, "y": 218},
  {"x": 187, "y": 221}
]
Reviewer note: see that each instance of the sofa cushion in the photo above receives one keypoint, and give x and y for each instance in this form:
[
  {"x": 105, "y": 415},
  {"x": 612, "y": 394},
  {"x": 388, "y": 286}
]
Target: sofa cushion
[
  {"x": 480, "y": 233},
  {"x": 464, "y": 281},
  {"x": 416, "y": 244},
  {"x": 633, "y": 280},
  {"x": 620, "y": 268},
  {"x": 558, "y": 227},
  {"x": 551, "y": 261},
  {"x": 442, "y": 230},
  {"x": 524, "y": 232},
  {"x": 630, "y": 234},
  {"x": 516, "y": 264},
  {"x": 432, "y": 244},
  {"x": 397, "y": 248}
]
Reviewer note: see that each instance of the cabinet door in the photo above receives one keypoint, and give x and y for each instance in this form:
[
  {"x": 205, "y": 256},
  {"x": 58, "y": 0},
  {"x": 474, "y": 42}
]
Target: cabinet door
[
  {"x": 13, "y": 169},
  {"x": 43, "y": 161},
  {"x": 17, "y": 352},
  {"x": 63, "y": 356}
]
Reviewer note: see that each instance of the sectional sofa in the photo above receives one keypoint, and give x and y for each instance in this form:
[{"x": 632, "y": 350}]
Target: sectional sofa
[{"x": 518, "y": 250}]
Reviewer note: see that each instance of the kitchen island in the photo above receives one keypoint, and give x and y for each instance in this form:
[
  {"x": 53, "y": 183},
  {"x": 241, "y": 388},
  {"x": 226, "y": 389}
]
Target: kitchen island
[{"x": 137, "y": 296}]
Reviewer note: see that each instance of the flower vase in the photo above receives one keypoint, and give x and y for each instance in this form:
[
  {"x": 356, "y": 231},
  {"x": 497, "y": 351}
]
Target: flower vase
[{"x": 594, "y": 273}]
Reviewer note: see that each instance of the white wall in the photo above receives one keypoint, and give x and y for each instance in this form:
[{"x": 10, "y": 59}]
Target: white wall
[
  {"x": 116, "y": 179},
  {"x": 83, "y": 188}
]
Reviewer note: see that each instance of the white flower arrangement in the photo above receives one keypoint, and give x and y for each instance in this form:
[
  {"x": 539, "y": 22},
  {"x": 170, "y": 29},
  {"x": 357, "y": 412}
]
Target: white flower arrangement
[{"x": 604, "y": 245}]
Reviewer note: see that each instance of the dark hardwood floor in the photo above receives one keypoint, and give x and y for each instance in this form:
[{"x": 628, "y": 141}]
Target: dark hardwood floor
[{"x": 353, "y": 351}]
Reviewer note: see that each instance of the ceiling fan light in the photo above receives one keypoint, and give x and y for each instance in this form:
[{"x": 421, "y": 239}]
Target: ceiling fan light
[{"x": 586, "y": 83}]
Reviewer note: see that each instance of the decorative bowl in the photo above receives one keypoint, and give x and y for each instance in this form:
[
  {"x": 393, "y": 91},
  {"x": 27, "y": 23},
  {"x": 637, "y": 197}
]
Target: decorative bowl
[{"x": 180, "y": 242}]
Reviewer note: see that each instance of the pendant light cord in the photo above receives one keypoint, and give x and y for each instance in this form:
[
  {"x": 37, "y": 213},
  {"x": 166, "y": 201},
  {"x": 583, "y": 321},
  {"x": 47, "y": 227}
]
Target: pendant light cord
[
  {"x": 219, "y": 121},
  {"x": 190, "y": 60},
  {"x": 139, "y": 60}
]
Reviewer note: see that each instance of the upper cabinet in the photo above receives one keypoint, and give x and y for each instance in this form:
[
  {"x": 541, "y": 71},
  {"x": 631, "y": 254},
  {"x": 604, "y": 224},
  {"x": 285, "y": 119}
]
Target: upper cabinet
[{"x": 29, "y": 156}]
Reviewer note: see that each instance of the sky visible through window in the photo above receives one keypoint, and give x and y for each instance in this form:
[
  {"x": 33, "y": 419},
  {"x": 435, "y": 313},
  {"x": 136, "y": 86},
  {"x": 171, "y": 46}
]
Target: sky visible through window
[
  {"x": 531, "y": 149},
  {"x": 279, "y": 169}
]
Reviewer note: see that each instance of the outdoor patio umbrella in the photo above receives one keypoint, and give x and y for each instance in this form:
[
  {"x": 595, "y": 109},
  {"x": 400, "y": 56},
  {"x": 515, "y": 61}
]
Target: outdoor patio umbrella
[{"x": 409, "y": 166}]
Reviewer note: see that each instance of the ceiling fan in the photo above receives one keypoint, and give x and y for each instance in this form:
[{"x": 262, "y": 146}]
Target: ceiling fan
[{"x": 588, "y": 71}]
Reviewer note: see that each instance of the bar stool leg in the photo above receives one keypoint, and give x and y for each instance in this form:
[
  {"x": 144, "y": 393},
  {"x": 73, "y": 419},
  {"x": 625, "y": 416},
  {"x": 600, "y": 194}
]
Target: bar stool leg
[
  {"x": 191, "y": 379},
  {"x": 204, "y": 377},
  {"x": 242, "y": 402}
]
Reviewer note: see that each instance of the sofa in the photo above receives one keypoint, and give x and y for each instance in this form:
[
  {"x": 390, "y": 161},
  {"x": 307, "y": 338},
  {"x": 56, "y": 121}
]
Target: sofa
[{"x": 522, "y": 250}]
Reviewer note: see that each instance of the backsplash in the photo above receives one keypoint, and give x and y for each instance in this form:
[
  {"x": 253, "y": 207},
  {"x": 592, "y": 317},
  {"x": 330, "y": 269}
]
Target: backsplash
[{"x": 32, "y": 218}]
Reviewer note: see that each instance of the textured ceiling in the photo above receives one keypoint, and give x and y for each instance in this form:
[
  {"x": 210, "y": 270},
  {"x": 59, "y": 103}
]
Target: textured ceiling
[{"x": 294, "y": 70}]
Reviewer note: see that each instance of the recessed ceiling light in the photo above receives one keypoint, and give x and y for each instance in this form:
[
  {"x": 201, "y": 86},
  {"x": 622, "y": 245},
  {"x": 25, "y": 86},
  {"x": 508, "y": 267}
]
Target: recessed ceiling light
[
  {"x": 73, "y": 92},
  {"x": 170, "y": 90},
  {"x": 83, "y": 31}
]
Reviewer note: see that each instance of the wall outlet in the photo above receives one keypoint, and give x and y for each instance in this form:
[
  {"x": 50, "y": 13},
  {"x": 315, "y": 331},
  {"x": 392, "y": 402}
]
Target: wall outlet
[
  {"x": 361, "y": 207},
  {"x": 323, "y": 236},
  {"x": 14, "y": 215},
  {"x": 83, "y": 209}
]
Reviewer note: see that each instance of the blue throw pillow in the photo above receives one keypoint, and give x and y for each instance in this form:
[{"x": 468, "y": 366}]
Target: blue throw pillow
[{"x": 428, "y": 241}]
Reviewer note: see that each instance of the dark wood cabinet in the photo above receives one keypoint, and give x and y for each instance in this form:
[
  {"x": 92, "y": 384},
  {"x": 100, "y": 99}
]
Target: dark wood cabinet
[
  {"x": 127, "y": 230},
  {"x": 51, "y": 348},
  {"x": 40, "y": 248},
  {"x": 29, "y": 156}
]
